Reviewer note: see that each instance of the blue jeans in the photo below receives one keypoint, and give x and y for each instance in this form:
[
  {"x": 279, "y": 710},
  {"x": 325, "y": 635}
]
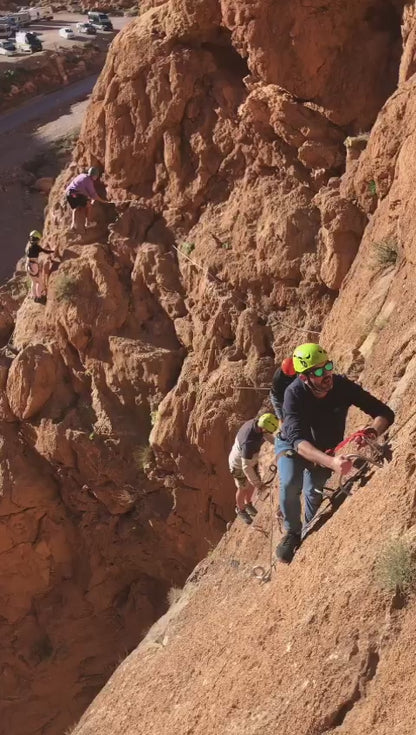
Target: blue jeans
[{"x": 296, "y": 475}]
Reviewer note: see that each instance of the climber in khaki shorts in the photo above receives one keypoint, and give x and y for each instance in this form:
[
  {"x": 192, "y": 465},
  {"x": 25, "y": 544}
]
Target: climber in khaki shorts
[{"x": 243, "y": 461}]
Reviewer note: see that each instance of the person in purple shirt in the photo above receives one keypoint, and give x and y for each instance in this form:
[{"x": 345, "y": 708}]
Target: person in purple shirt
[{"x": 80, "y": 193}]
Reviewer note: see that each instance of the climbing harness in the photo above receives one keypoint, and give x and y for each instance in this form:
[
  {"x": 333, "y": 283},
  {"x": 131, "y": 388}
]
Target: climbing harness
[{"x": 273, "y": 471}]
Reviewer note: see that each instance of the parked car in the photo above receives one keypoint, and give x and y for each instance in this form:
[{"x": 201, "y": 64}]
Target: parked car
[
  {"x": 100, "y": 21},
  {"x": 28, "y": 41},
  {"x": 67, "y": 32},
  {"x": 7, "y": 48},
  {"x": 86, "y": 28}
]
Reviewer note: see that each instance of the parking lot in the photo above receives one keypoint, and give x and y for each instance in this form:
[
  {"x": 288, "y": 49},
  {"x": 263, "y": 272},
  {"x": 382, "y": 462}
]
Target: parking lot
[{"x": 48, "y": 32}]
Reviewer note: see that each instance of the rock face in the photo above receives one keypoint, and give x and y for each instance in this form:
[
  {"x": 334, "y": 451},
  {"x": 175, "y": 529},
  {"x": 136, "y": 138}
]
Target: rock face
[{"x": 220, "y": 128}]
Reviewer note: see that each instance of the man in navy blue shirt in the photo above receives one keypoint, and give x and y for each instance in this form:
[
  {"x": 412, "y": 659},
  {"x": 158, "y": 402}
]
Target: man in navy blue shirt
[{"x": 315, "y": 411}]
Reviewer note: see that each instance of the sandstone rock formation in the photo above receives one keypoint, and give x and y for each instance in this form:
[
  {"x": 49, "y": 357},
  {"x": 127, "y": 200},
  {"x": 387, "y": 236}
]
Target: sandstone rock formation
[{"x": 220, "y": 128}]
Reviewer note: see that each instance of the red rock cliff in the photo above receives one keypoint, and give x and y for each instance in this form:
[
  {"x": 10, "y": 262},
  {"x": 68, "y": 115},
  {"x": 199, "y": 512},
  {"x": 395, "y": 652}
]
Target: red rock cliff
[{"x": 221, "y": 130}]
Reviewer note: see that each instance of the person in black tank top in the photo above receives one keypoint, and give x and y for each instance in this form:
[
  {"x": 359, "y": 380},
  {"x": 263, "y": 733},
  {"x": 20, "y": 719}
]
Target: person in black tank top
[{"x": 34, "y": 268}]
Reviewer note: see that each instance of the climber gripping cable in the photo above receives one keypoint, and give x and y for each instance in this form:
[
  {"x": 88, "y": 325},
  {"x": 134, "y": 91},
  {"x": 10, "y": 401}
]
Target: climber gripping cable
[
  {"x": 315, "y": 410},
  {"x": 81, "y": 194},
  {"x": 243, "y": 462}
]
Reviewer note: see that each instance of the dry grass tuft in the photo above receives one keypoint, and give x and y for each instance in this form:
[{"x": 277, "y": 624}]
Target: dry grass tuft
[
  {"x": 395, "y": 569},
  {"x": 174, "y": 595}
]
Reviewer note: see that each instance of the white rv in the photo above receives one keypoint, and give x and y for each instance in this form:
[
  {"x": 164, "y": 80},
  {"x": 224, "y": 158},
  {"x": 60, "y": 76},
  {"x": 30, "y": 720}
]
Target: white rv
[
  {"x": 18, "y": 20},
  {"x": 23, "y": 18},
  {"x": 47, "y": 12}
]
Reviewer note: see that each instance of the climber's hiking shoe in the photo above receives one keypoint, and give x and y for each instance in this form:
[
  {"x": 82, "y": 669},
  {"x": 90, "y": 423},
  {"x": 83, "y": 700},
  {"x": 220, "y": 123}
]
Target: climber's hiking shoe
[
  {"x": 246, "y": 517},
  {"x": 285, "y": 551},
  {"x": 251, "y": 510}
]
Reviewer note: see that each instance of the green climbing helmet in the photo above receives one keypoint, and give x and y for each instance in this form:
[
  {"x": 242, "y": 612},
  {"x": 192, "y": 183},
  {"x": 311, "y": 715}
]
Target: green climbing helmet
[
  {"x": 269, "y": 422},
  {"x": 94, "y": 171},
  {"x": 35, "y": 235},
  {"x": 307, "y": 356}
]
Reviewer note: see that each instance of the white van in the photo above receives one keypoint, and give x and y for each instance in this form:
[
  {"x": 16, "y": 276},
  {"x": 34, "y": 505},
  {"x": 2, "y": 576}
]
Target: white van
[
  {"x": 23, "y": 18},
  {"x": 39, "y": 13}
]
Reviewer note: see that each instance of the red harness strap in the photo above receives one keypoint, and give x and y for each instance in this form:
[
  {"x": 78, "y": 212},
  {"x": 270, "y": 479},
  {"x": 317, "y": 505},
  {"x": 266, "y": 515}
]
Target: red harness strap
[{"x": 347, "y": 440}]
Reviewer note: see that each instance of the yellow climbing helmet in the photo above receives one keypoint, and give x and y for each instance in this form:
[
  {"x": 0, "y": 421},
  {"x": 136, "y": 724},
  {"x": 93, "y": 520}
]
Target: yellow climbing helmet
[
  {"x": 307, "y": 356},
  {"x": 269, "y": 422},
  {"x": 35, "y": 235}
]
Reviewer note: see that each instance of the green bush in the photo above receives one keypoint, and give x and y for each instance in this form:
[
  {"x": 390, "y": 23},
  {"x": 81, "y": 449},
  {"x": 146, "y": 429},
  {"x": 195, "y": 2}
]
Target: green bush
[
  {"x": 11, "y": 77},
  {"x": 142, "y": 456},
  {"x": 154, "y": 417},
  {"x": 187, "y": 247},
  {"x": 395, "y": 569},
  {"x": 385, "y": 253},
  {"x": 66, "y": 288},
  {"x": 357, "y": 141}
]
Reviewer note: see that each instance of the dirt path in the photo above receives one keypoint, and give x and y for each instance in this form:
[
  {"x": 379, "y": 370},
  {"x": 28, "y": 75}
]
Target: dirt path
[{"x": 27, "y": 133}]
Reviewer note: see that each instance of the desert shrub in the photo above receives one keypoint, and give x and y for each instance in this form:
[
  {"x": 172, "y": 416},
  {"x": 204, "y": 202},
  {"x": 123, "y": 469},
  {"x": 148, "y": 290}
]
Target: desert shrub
[
  {"x": 66, "y": 288},
  {"x": 173, "y": 595},
  {"x": 385, "y": 253},
  {"x": 395, "y": 568},
  {"x": 154, "y": 417},
  {"x": 11, "y": 77},
  {"x": 131, "y": 12},
  {"x": 142, "y": 456},
  {"x": 187, "y": 247},
  {"x": 357, "y": 141}
]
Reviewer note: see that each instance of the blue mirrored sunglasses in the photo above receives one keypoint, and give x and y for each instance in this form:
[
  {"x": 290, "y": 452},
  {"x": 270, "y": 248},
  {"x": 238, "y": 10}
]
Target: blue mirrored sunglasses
[{"x": 320, "y": 371}]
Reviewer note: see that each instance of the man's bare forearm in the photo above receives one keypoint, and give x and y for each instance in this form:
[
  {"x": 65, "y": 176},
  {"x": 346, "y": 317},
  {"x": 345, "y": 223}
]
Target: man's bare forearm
[
  {"x": 312, "y": 454},
  {"x": 380, "y": 424}
]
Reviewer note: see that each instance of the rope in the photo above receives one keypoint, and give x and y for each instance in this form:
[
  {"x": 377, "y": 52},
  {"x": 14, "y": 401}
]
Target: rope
[
  {"x": 250, "y": 387},
  {"x": 262, "y": 574},
  {"x": 207, "y": 272},
  {"x": 401, "y": 426},
  {"x": 271, "y": 537}
]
